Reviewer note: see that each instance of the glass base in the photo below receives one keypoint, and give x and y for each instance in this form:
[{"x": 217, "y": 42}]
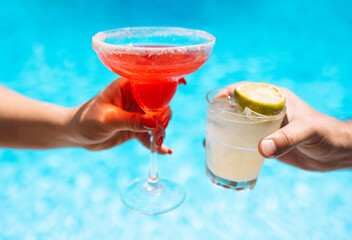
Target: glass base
[
  {"x": 153, "y": 197},
  {"x": 231, "y": 185}
]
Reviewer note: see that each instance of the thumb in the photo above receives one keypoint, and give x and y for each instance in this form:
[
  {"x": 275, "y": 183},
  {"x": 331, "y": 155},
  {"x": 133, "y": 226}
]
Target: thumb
[
  {"x": 136, "y": 122},
  {"x": 285, "y": 139}
]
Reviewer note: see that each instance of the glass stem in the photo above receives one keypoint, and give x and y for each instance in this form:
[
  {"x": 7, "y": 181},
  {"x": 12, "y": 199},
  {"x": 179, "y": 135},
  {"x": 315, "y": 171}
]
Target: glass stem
[{"x": 153, "y": 169}]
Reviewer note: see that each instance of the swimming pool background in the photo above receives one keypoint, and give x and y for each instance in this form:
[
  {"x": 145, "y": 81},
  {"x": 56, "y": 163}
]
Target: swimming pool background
[{"x": 46, "y": 54}]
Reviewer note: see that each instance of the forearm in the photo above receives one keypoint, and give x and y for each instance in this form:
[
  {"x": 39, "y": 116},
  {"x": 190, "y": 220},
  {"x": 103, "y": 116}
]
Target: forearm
[
  {"x": 30, "y": 124},
  {"x": 341, "y": 139}
]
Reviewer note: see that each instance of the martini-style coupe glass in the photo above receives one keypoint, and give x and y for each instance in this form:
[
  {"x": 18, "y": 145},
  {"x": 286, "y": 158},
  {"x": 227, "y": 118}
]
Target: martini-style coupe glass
[{"x": 153, "y": 59}]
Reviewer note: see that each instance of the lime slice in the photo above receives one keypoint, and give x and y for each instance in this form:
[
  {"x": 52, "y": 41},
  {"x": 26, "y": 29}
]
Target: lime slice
[{"x": 262, "y": 98}]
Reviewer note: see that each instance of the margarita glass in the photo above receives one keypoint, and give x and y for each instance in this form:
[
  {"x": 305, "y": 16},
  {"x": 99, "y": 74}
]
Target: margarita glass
[{"x": 153, "y": 59}]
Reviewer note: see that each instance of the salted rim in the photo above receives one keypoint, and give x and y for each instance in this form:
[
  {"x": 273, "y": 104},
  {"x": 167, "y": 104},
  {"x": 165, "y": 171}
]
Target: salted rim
[
  {"x": 283, "y": 112},
  {"x": 100, "y": 46}
]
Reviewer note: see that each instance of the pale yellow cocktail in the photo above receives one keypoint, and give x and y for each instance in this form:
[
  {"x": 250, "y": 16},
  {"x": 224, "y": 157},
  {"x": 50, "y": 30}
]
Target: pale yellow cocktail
[{"x": 232, "y": 138}]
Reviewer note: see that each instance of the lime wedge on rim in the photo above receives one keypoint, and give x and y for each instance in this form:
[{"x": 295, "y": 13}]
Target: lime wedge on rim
[{"x": 263, "y": 98}]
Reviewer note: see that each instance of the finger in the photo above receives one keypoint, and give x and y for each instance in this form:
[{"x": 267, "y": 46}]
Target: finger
[
  {"x": 144, "y": 138},
  {"x": 123, "y": 120},
  {"x": 159, "y": 136},
  {"x": 227, "y": 91},
  {"x": 117, "y": 139},
  {"x": 285, "y": 139},
  {"x": 119, "y": 94},
  {"x": 114, "y": 92},
  {"x": 164, "y": 150},
  {"x": 165, "y": 118},
  {"x": 295, "y": 158}
]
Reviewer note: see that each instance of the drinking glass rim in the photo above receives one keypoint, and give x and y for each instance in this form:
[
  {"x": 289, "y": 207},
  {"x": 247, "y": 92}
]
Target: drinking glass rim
[
  {"x": 283, "y": 111},
  {"x": 101, "y": 46}
]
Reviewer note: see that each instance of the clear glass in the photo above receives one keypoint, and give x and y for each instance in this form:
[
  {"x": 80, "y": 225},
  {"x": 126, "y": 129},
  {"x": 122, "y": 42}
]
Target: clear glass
[
  {"x": 232, "y": 157},
  {"x": 153, "y": 59}
]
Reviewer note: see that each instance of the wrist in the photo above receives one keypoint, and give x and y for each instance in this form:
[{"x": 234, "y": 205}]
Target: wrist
[
  {"x": 342, "y": 138},
  {"x": 346, "y": 133},
  {"x": 69, "y": 127}
]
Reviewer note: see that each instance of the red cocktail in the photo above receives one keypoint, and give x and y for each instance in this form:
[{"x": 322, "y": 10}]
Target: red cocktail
[
  {"x": 153, "y": 59},
  {"x": 153, "y": 76}
]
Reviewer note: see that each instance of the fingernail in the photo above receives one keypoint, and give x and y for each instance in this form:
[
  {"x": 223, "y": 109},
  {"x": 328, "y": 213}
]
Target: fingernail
[
  {"x": 149, "y": 123},
  {"x": 160, "y": 141},
  {"x": 268, "y": 147},
  {"x": 166, "y": 122},
  {"x": 182, "y": 81},
  {"x": 169, "y": 151}
]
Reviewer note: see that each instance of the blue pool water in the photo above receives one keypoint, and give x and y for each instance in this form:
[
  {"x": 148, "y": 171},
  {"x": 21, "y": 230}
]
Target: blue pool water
[{"x": 46, "y": 54}]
